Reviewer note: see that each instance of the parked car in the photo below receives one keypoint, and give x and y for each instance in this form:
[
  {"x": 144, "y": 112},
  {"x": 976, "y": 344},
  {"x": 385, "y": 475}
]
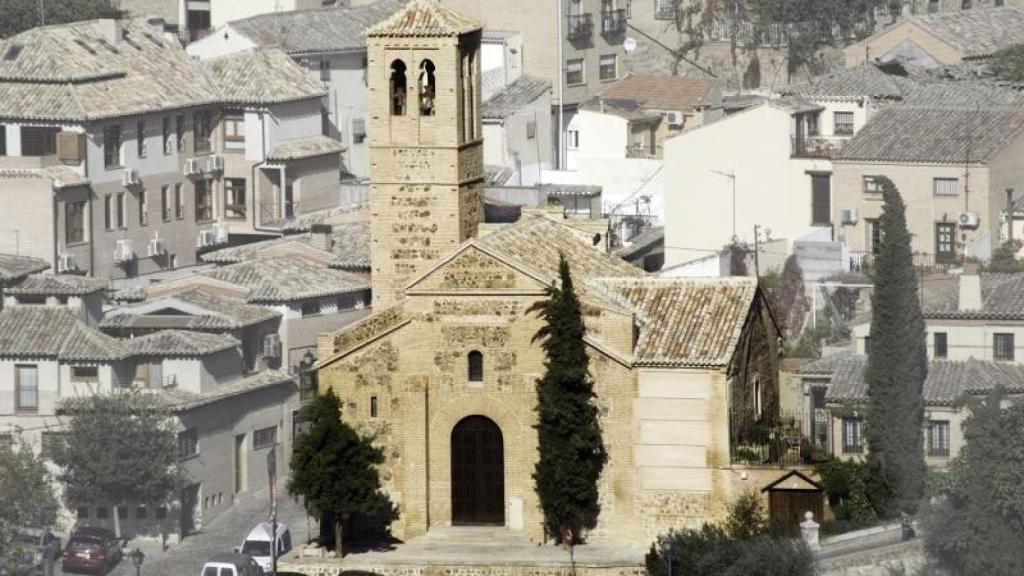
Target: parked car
[
  {"x": 227, "y": 564},
  {"x": 257, "y": 543},
  {"x": 33, "y": 546},
  {"x": 92, "y": 550}
]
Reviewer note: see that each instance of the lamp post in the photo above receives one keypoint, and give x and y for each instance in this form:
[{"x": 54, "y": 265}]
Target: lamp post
[
  {"x": 668, "y": 555},
  {"x": 137, "y": 557}
]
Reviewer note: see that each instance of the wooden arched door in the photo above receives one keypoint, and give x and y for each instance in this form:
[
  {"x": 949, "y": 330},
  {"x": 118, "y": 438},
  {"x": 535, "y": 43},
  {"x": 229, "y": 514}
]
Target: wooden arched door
[{"x": 478, "y": 473}]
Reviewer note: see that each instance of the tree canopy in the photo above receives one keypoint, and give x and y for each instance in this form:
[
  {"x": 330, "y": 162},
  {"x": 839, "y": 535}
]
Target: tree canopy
[
  {"x": 571, "y": 452},
  {"x": 1004, "y": 257},
  {"x": 1008, "y": 63},
  {"x": 20, "y": 15},
  {"x": 27, "y": 497}
]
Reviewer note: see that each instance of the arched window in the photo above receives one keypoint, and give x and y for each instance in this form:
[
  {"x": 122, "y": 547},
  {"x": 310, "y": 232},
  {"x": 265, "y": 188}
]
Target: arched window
[
  {"x": 428, "y": 88},
  {"x": 398, "y": 88},
  {"x": 476, "y": 366}
]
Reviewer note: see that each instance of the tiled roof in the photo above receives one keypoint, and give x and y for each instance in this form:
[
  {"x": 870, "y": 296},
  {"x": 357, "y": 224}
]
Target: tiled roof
[
  {"x": 13, "y": 267},
  {"x": 947, "y": 380},
  {"x": 182, "y": 343},
  {"x": 856, "y": 82},
  {"x": 1002, "y": 297},
  {"x": 61, "y": 177},
  {"x": 665, "y": 93},
  {"x": 825, "y": 365},
  {"x": 308, "y": 147},
  {"x": 964, "y": 94},
  {"x": 910, "y": 134},
  {"x": 286, "y": 279},
  {"x": 684, "y": 321},
  {"x": 213, "y": 312},
  {"x": 72, "y": 72},
  {"x": 515, "y": 97},
  {"x": 977, "y": 33},
  {"x": 350, "y": 247},
  {"x": 304, "y": 222},
  {"x": 181, "y": 401},
  {"x": 53, "y": 331},
  {"x": 260, "y": 77},
  {"x": 649, "y": 237},
  {"x": 331, "y": 29},
  {"x": 58, "y": 285},
  {"x": 421, "y": 18}
]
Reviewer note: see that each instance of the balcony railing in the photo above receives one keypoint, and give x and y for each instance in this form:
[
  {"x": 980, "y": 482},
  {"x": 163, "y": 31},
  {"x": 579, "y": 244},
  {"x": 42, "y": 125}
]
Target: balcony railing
[
  {"x": 790, "y": 439},
  {"x": 613, "y": 21},
  {"x": 924, "y": 262},
  {"x": 816, "y": 147},
  {"x": 643, "y": 151},
  {"x": 581, "y": 26}
]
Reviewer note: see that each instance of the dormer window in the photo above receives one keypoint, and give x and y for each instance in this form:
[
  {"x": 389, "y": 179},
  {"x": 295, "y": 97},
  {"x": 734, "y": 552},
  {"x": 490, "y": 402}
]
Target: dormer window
[
  {"x": 398, "y": 88},
  {"x": 428, "y": 88}
]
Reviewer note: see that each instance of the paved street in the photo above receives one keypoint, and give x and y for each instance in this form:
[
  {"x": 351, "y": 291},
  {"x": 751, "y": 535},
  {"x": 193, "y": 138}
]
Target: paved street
[{"x": 221, "y": 535}]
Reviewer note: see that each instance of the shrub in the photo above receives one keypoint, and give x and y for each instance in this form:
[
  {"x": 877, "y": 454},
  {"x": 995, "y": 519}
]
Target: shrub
[
  {"x": 854, "y": 492},
  {"x": 711, "y": 551},
  {"x": 747, "y": 516}
]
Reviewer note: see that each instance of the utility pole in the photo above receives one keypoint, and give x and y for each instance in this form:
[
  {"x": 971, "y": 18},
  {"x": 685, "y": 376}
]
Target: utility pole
[{"x": 757, "y": 250}]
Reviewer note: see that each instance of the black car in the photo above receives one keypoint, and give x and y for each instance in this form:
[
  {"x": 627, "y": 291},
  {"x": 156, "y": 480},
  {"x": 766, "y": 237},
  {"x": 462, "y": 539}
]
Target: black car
[{"x": 33, "y": 546}]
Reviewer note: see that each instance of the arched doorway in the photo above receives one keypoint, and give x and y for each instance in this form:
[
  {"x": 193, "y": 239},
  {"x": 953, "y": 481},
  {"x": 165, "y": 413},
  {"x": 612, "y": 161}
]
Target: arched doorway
[{"x": 478, "y": 473}]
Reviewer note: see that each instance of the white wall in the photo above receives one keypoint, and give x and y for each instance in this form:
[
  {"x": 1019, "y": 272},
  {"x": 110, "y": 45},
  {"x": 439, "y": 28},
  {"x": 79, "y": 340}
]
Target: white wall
[
  {"x": 216, "y": 44},
  {"x": 964, "y": 339},
  {"x": 601, "y": 135},
  {"x": 223, "y": 11},
  {"x": 292, "y": 120}
]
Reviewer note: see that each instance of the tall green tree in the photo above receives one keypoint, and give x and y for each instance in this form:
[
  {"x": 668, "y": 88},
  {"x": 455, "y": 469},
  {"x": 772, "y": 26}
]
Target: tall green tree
[
  {"x": 27, "y": 497},
  {"x": 571, "y": 453},
  {"x": 120, "y": 448},
  {"x": 20, "y": 15},
  {"x": 897, "y": 363},
  {"x": 976, "y": 525},
  {"x": 789, "y": 298},
  {"x": 335, "y": 471}
]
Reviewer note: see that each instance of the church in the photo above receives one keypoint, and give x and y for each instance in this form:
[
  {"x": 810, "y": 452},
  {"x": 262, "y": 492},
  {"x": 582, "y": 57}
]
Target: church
[{"x": 442, "y": 374}]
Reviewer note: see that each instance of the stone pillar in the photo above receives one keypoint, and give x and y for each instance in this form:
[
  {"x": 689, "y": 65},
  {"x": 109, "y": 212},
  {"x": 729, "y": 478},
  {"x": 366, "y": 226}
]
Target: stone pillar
[{"x": 809, "y": 531}]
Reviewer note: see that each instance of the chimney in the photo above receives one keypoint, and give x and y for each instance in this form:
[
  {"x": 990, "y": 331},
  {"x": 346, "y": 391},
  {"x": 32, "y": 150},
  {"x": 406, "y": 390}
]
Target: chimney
[
  {"x": 110, "y": 29},
  {"x": 970, "y": 289},
  {"x": 322, "y": 237}
]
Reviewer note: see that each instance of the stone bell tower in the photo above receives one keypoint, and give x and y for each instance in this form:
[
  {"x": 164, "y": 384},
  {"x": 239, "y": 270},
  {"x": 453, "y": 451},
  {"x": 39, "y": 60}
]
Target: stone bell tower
[{"x": 426, "y": 147}]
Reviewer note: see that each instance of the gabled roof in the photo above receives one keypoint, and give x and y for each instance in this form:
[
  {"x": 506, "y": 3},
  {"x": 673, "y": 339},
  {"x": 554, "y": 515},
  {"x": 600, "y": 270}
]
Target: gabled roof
[
  {"x": 421, "y": 18},
  {"x": 857, "y": 82},
  {"x": 666, "y": 93},
  {"x": 684, "y": 322},
  {"x": 182, "y": 401},
  {"x": 350, "y": 247},
  {"x": 58, "y": 285},
  {"x": 260, "y": 77},
  {"x": 1002, "y": 297},
  {"x": 514, "y": 97},
  {"x": 286, "y": 279},
  {"x": 301, "y": 148},
  {"x": 54, "y": 332},
  {"x": 181, "y": 343},
  {"x": 977, "y": 33},
  {"x": 793, "y": 480},
  {"x": 193, "y": 309},
  {"x": 650, "y": 237},
  {"x": 14, "y": 267}
]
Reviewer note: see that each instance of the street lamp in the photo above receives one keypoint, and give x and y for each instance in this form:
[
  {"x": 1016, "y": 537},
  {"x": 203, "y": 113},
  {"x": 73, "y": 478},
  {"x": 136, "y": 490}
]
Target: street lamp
[{"x": 137, "y": 557}]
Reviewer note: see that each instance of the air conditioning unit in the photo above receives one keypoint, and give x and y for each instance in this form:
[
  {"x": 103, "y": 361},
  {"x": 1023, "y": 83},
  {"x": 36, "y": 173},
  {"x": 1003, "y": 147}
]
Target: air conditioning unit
[
  {"x": 130, "y": 177},
  {"x": 675, "y": 118},
  {"x": 271, "y": 346},
  {"x": 156, "y": 246},
  {"x": 220, "y": 233},
  {"x": 848, "y": 216},
  {"x": 215, "y": 163},
  {"x": 968, "y": 219},
  {"x": 192, "y": 167},
  {"x": 206, "y": 239},
  {"x": 65, "y": 263},
  {"x": 123, "y": 251}
]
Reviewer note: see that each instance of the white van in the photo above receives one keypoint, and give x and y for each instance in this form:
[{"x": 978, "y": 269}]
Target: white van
[
  {"x": 231, "y": 565},
  {"x": 257, "y": 543}
]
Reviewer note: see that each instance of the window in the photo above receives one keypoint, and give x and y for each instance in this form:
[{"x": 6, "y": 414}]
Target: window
[
  {"x": 26, "y": 388},
  {"x": 664, "y": 10},
  {"x": 165, "y": 203},
  {"x": 3, "y": 140},
  {"x": 853, "y": 443},
  {"x": 74, "y": 222},
  {"x": 122, "y": 211},
  {"x": 325, "y": 70},
  {"x": 756, "y": 390},
  {"x": 310, "y": 308},
  {"x": 234, "y": 133},
  {"x": 428, "y": 88},
  {"x": 234, "y": 198},
  {"x": 965, "y": 5},
  {"x": 50, "y": 443},
  {"x": 1002, "y": 347},
  {"x": 165, "y": 135},
  {"x": 140, "y": 513},
  {"x": 140, "y": 138},
  {"x": 373, "y": 406},
  {"x": 945, "y": 186},
  {"x": 179, "y": 132},
  {"x": 101, "y": 513},
  {"x": 608, "y": 68},
  {"x": 398, "y": 88},
  {"x": 874, "y": 235},
  {"x": 161, "y": 513},
  {"x": 940, "y": 345},
  {"x": 122, "y": 512},
  {"x": 112, "y": 147},
  {"x": 842, "y": 123},
  {"x": 82, "y": 513},
  {"x": 358, "y": 130},
  {"x": 264, "y": 438},
  {"x": 179, "y": 202},
  {"x": 574, "y": 72},
  {"x": 572, "y": 139},
  {"x": 204, "y": 201},
  {"x": 188, "y": 443},
  {"x": 476, "y": 366},
  {"x": 531, "y": 129},
  {"x": 38, "y": 140},
  {"x": 201, "y": 130},
  {"x": 938, "y": 438},
  {"x": 945, "y": 242},
  {"x": 143, "y": 208},
  {"x": 6, "y": 442},
  {"x": 872, "y": 185},
  {"x": 821, "y": 198},
  {"x": 84, "y": 373}
]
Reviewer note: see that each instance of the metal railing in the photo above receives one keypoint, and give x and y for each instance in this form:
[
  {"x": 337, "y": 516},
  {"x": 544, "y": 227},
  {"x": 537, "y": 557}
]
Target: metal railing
[
  {"x": 790, "y": 439},
  {"x": 613, "y": 21},
  {"x": 581, "y": 26},
  {"x": 643, "y": 151},
  {"x": 815, "y": 147},
  {"x": 925, "y": 262}
]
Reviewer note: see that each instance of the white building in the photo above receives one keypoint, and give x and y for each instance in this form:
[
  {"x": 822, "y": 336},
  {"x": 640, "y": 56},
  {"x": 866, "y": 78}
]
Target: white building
[{"x": 517, "y": 130}]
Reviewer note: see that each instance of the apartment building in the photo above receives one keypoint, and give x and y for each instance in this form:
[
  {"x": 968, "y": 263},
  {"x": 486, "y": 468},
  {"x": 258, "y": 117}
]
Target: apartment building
[{"x": 139, "y": 150}]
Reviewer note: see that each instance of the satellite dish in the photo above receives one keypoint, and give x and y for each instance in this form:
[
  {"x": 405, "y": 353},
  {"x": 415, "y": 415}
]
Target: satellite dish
[{"x": 629, "y": 44}]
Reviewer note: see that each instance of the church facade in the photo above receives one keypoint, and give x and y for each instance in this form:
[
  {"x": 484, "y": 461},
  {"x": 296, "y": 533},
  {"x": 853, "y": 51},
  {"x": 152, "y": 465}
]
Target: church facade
[{"x": 442, "y": 374}]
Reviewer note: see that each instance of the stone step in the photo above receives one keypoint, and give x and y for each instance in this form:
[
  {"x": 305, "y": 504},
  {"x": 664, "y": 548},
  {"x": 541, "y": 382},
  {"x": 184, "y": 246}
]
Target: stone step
[{"x": 475, "y": 535}]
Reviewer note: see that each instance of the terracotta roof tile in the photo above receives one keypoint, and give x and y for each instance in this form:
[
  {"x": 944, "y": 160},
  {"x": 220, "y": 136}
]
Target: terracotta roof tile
[
  {"x": 424, "y": 18},
  {"x": 183, "y": 343},
  {"x": 58, "y": 285},
  {"x": 664, "y": 92},
  {"x": 13, "y": 267}
]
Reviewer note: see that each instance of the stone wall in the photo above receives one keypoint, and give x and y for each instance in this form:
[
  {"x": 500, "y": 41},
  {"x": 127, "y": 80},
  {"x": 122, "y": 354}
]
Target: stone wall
[{"x": 336, "y": 568}]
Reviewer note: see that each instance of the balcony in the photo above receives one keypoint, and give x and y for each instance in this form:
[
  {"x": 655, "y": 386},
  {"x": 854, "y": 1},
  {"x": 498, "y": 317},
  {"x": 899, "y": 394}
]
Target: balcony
[
  {"x": 581, "y": 26},
  {"x": 793, "y": 439},
  {"x": 816, "y": 147},
  {"x": 643, "y": 152},
  {"x": 613, "y": 21}
]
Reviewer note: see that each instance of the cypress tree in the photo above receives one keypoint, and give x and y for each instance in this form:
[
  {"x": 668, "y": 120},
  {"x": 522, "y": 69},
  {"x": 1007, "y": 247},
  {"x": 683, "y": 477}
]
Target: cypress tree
[
  {"x": 571, "y": 453},
  {"x": 897, "y": 364}
]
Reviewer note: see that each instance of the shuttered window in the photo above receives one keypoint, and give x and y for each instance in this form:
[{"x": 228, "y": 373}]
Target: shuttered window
[{"x": 945, "y": 186}]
